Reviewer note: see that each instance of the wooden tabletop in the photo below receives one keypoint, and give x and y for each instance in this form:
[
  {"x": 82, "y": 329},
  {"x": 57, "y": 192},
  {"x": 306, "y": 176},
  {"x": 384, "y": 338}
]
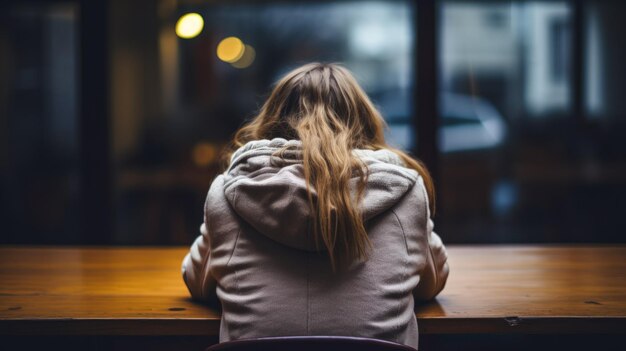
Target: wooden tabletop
[{"x": 139, "y": 291}]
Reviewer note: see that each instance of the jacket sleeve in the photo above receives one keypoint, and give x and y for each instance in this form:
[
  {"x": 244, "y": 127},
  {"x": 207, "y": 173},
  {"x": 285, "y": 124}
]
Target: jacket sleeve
[
  {"x": 435, "y": 273},
  {"x": 196, "y": 268}
]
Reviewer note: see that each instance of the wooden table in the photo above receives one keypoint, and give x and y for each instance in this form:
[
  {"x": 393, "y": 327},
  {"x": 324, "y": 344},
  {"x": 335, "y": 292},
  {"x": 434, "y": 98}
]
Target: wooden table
[{"x": 139, "y": 291}]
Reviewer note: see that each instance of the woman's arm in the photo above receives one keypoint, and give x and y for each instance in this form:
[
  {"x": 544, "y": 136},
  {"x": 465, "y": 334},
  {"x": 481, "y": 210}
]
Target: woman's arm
[
  {"x": 195, "y": 268},
  {"x": 435, "y": 274}
]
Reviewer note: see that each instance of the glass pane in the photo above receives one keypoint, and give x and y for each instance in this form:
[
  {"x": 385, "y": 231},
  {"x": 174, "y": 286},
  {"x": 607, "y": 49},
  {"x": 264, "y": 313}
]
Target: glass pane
[
  {"x": 604, "y": 61},
  {"x": 175, "y": 103},
  {"x": 517, "y": 163},
  {"x": 38, "y": 123}
]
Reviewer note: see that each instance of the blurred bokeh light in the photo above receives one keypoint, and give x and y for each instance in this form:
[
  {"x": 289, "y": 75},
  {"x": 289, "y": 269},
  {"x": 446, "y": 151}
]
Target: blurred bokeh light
[
  {"x": 189, "y": 25},
  {"x": 230, "y": 49},
  {"x": 246, "y": 59},
  {"x": 204, "y": 154}
]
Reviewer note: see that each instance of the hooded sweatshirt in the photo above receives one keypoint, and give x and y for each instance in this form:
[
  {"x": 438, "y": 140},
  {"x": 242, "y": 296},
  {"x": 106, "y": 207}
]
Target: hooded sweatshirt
[{"x": 257, "y": 257}]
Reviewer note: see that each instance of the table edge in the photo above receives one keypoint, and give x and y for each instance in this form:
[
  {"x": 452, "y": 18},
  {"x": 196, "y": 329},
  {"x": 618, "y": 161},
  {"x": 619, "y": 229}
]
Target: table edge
[{"x": 210, "y": 327}]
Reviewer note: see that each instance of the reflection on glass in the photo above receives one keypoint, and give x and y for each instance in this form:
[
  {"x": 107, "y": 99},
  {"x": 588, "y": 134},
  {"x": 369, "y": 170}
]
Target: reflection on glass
[
  {"x": 177, "y": 101},
  {"x": 515, "y": 56},
  {"x": 604, "y": 58},
  {"x": 470, "y": 123},
  {"x": 517, "y": 164}
]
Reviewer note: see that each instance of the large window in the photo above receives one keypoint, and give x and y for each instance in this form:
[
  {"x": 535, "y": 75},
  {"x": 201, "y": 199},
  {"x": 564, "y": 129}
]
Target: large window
[
  {"x": 113, "y": 114},
  {"x": 39, "y": 167},
  {"x": 520, "y": 160}
]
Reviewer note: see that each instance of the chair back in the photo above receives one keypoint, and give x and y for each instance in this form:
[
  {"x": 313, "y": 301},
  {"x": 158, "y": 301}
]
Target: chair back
[{"x": 310, "y": 343}]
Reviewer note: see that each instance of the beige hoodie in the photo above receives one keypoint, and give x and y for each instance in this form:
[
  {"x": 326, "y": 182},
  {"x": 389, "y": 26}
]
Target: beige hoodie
[{"x": 257, "y": 258}]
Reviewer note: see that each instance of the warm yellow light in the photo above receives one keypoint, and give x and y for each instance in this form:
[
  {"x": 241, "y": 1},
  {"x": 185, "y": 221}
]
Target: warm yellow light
[
  {"x": 203, "y": 154},
  {"x": 189, "y": 25},
  {"x": 230, "y": 49},
  {"x": 246, "y": 59}
]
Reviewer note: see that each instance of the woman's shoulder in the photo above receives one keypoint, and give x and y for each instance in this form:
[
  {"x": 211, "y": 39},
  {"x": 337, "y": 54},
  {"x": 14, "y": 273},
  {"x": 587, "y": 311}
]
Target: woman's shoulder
[
  {"x": 413, "y": 209},
  {"x": 216, "y": 205}
]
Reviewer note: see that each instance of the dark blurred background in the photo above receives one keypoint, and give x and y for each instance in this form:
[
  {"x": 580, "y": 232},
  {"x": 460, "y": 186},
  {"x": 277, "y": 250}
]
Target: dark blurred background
[{"x": 113, "y": 113}]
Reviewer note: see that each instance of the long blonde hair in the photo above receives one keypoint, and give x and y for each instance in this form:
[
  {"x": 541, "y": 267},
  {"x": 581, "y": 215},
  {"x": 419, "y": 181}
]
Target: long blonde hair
[{"x": 323, "y": 106}]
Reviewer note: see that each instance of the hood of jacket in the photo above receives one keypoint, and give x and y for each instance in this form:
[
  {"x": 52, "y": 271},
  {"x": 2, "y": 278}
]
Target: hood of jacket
[{"x": 269, "y": 192}]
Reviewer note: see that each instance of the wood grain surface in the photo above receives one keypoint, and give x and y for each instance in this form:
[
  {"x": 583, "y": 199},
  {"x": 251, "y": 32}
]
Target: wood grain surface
[{"x": 139, "y": 291}]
